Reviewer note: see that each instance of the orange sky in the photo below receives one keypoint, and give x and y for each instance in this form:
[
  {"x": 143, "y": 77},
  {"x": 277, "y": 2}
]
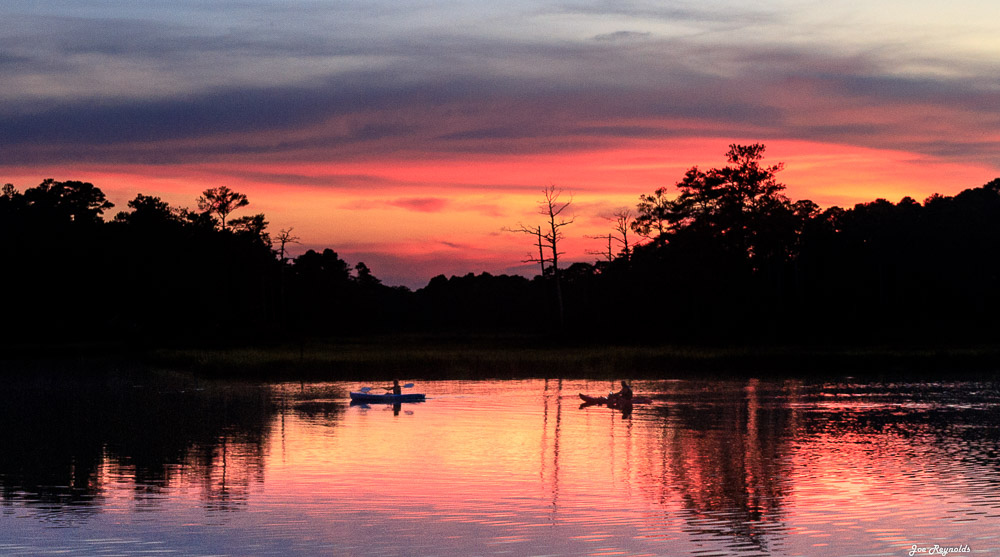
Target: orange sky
[{"x": 410, "y": 219}]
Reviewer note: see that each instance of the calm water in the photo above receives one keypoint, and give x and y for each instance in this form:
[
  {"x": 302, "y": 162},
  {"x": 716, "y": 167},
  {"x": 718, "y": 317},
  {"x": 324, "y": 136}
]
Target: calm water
[{"x": 120, "y": 467}]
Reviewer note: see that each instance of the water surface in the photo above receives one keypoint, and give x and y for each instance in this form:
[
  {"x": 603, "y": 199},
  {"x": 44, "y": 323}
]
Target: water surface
[{"x": 123, "y": 467}]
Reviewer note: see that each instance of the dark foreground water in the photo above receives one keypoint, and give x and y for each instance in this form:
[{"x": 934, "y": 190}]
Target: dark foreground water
[{"x": 127, "y": 467}]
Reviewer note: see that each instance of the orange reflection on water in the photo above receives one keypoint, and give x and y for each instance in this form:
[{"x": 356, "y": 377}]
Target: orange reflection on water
[
  {"x": 749, "y": 467},
  {"x": 539, "y": 459}
]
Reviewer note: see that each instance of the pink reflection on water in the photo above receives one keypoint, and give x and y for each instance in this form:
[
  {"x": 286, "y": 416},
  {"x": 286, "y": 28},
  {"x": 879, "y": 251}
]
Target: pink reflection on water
[{"x": 715, "y": 467}]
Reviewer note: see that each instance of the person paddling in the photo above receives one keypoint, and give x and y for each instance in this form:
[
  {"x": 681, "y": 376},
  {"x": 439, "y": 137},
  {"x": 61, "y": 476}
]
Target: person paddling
[
  {"x": 625, "y": 393},
  {"x": 396, "y": 389}
]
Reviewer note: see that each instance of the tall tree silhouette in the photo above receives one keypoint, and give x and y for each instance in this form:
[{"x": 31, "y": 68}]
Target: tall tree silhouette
[
  {"x": 221, "y": 201},
  {"x": 724, "y": 241},
  {"x": 732, "y": 207},
  {"x": 548, "y": 238},
  {"x": 553, "y": 208}
]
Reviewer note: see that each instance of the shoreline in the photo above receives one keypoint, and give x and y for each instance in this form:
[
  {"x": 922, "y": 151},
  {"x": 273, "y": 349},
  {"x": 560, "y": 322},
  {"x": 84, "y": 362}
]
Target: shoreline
[{"x": 499, "y": 357}]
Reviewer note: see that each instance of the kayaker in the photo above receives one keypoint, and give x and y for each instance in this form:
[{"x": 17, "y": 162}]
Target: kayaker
[
  {"x": 625, "y": 393},
  {"x": 395, "y": 388}
]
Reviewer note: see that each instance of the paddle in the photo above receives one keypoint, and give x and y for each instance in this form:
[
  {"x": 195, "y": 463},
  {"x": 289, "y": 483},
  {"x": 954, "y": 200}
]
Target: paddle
[{"x": 366, "y": 389}]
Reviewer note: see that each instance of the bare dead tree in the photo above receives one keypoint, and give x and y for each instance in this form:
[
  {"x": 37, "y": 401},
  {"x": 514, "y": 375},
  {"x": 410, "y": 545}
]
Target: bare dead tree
[
  {"x": 547, "y": 240},
  {"x": 608, "y": 253},
  {"x": 623, "y": 224},
  {"x": 541, "y": 249},
  {"x": 553, "y": 208},
  {"x": 539, "y": 241},
  {"x": 285, "y": 237},
  {"x": 622, "y": 220}
]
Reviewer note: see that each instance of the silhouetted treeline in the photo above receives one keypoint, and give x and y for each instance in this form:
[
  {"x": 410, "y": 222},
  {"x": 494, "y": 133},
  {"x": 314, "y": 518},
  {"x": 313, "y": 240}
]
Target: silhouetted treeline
[
  {"x": 724, "y": 256},
  {"x": 730, "y": 258},
  {"x": 156, "y": 273}
]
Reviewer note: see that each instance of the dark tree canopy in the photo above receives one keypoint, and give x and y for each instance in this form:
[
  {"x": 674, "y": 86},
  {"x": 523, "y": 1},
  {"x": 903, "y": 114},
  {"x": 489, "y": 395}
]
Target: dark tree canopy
[
  {"x": 732, "y": 207},
  {"x": 221, "y": 201},
  {"x": 79, "y": 202}
]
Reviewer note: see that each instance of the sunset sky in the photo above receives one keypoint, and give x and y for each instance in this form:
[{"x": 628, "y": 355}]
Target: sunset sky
[{"x": 408, "y": 134}]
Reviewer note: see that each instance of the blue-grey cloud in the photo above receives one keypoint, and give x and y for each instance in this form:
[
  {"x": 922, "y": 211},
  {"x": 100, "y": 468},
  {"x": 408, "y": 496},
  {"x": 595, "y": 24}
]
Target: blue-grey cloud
[
  {"x": 623, "y": 36},
  {"x": 366, "y": 79},
  {"x": 708, "y": 13}
]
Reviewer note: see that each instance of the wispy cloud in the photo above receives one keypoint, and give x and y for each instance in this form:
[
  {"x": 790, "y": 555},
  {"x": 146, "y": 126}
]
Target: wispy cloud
[
  {"x": 421, "y": 204},
  {"x": 623, "y": 36}
]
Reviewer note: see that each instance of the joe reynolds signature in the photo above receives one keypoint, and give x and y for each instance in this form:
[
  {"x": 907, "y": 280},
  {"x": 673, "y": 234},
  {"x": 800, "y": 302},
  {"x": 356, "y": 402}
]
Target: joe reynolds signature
[{"x": 937, "y": 550}]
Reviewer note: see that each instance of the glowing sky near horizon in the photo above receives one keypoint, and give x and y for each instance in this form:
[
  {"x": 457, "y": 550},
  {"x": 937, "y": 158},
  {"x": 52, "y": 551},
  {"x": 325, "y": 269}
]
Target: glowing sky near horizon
[{"x": 407, "y": 135}]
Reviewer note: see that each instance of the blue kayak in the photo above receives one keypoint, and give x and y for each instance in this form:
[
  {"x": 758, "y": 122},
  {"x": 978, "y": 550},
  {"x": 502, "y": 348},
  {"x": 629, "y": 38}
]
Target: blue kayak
[{"x": 387, "y": 398}]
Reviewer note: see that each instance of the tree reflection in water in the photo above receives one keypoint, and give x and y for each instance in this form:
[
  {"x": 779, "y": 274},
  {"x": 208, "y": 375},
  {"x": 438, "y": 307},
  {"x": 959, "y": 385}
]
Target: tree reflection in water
[
  {"x": 723, "y": 452},
  {"x": 62, "y": 439}
]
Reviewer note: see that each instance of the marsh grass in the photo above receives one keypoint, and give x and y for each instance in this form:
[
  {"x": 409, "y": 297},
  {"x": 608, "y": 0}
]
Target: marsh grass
[{"x": 523, "y": 357}]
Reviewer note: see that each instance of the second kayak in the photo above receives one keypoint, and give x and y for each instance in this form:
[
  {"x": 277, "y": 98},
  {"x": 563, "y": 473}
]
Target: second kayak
[{"x": 612, "y": 401}]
